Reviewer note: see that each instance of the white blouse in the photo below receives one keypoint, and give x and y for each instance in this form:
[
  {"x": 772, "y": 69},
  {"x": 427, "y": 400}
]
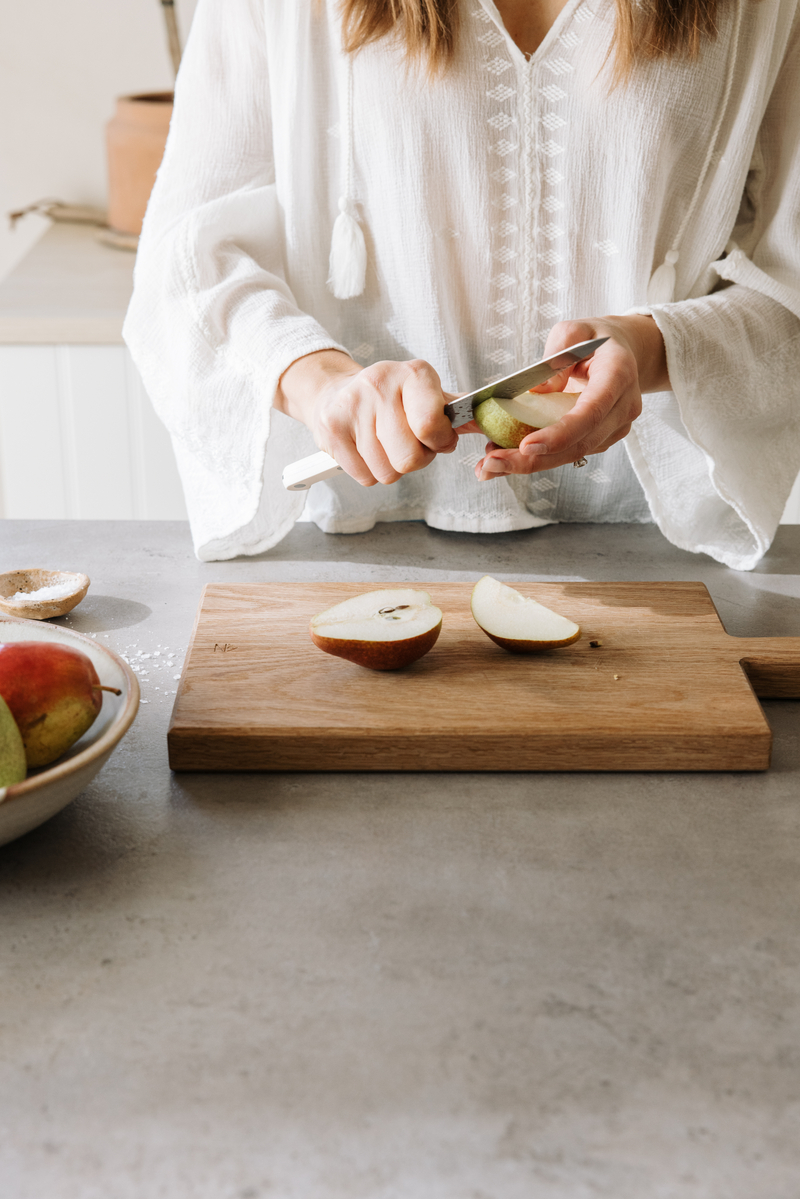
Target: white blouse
[{"x": 506, "y": 195}]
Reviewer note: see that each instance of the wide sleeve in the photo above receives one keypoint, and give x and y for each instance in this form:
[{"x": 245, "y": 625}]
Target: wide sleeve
[
  {"x": 718, "y": 455},
  {"x": 212, "y": 324}
]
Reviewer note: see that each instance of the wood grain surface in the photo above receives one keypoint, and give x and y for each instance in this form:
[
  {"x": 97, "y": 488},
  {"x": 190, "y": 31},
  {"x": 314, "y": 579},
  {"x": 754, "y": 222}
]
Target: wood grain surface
[{"x": 667, "y": 688}]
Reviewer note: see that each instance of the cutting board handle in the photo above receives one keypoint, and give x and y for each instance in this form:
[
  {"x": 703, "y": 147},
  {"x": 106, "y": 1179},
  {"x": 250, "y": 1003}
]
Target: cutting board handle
[{"x": 772, "y": 664}]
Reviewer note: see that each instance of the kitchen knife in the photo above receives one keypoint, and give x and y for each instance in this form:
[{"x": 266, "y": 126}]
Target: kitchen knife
[{"x": 299, "y": 476}]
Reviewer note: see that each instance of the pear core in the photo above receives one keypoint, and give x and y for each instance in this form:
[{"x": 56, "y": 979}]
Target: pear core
[
  {"x": 382, "y": 630},
  {"x": 517, "y": 623},
  {"x": 506, "y": 422}
]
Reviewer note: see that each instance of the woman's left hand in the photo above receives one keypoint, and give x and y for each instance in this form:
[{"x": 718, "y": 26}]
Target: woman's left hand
[{"x": 611, "y": 383}]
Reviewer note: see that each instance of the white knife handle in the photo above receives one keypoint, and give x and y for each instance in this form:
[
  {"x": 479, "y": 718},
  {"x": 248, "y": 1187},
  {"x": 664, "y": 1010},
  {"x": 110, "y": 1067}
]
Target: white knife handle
[{"x": 298, "y": 476}]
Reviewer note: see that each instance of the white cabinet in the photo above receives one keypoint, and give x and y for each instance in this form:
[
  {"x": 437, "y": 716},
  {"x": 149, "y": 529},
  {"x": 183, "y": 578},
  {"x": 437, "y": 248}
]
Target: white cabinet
[{"x": 78, "y": 435}]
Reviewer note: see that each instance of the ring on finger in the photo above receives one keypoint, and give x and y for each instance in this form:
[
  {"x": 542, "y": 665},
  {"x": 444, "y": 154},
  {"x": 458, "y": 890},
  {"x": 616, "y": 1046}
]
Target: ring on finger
[{"x": 579, "y": 462}]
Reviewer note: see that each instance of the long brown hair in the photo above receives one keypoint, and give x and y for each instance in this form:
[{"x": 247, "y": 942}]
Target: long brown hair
[{"x": 645, "y": 29}]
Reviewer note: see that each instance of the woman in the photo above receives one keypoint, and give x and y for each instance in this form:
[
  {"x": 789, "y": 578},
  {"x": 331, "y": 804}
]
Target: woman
[{"x": 488, "y": 175}]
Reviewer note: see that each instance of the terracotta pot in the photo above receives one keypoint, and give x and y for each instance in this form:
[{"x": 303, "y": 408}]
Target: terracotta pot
[{"x": 135, "y": 140}]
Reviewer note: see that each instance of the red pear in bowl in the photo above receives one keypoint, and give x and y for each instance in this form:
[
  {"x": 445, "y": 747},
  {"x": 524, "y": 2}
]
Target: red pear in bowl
[
  {"x": 53, "y": 693},
  {"x": 382, "y": 630}
]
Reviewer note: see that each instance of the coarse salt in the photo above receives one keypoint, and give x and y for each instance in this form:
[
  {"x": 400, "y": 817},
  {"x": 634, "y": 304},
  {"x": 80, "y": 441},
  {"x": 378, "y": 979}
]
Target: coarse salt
[{"x": 57, "y": 591}]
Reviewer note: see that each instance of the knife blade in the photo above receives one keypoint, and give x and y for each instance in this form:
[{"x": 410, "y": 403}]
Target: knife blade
[
  {"x": 460, "y": 411},
  {"x": 299, "y": 476}
]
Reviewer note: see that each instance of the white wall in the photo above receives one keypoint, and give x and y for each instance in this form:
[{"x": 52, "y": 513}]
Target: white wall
[{"x": 62, "y": 63}]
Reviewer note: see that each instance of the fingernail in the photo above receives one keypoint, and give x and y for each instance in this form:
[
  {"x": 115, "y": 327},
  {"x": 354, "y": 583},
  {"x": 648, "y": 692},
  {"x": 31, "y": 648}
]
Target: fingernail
[{"x": 531, "y": 450}]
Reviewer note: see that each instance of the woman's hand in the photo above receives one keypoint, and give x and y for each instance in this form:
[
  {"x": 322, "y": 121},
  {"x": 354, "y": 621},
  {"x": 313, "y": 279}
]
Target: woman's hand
[
  {"x": 611, "y": 383},
  {"x": 379, "y": 422}
]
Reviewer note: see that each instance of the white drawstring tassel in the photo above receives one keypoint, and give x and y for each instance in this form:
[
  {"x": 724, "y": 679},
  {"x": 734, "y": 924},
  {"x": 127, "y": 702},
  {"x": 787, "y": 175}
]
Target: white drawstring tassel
[
  {"x": 348, "y": 262},
  {"x": 661, "y": 288}
]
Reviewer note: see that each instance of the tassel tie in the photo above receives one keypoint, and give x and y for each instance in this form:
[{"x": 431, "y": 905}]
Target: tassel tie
[
  {"x": 661, "y": 288},
  {"x": 348, "y": 261}
]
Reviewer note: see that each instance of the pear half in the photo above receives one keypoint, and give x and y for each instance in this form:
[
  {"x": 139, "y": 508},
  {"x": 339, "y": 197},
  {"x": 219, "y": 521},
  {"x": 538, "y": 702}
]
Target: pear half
[
  {"x": 382, "y": 630},
  {"x": 506, "y": 422},
  {"x": 520, "y": 625}
]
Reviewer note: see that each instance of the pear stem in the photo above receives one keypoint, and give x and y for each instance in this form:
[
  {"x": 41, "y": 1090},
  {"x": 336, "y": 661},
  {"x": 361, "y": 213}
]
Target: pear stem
[{"x": 102, "y": 687}]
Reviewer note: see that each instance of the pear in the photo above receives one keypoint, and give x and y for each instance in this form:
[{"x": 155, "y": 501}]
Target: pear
[
  {"x": 53, "y": 693},
  {"x": 518, "y": 624},
  {"x": 506, "y": 422},
  {"x": 382, "y": 630},
  {"x": 12, "y": 751}
]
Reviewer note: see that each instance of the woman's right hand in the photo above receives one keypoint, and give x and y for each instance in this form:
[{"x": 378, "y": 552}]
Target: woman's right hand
[{"x": 379, "y": 422}]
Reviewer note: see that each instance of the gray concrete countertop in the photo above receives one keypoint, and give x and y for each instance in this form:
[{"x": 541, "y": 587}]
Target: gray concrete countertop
[{"x": 400, "y": 987}]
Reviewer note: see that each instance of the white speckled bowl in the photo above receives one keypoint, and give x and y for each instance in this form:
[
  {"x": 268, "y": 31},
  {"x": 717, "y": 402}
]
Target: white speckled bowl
[
  {"x": 23, "y": 806},
  {"x": 32, "y": 580}
]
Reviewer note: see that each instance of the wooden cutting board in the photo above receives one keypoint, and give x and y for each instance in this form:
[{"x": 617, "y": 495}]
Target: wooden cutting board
[{"x": 668, "y": 688}]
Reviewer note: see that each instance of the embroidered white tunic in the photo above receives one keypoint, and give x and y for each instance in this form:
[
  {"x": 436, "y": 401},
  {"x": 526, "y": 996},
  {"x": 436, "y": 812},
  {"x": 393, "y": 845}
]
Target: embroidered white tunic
[{"x": 506, "y": 195}]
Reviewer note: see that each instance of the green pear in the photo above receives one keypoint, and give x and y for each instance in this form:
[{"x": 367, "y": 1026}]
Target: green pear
[
  {"x": 12, "y": 750},
  {"x": 506, "y": 422}
]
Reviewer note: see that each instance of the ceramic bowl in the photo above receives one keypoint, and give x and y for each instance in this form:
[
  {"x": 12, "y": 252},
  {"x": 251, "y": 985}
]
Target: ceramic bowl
[
  {"x": 44, "y": 792},
  {"x": 33, "y": 580}
]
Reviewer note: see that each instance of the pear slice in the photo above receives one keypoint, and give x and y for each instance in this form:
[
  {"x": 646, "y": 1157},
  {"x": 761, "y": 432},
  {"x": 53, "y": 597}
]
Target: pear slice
[
  {"x": 382, "y": 630},
  {"x": 520, "y": 625},
  {"x": 506, "y": 422}
]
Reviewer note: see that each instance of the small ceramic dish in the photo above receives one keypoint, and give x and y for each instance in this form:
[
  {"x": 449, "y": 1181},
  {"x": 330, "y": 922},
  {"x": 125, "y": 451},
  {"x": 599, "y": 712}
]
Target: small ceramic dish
[
  {"x": 71, "y": 589},
  {"x": 25, "y": 805}
]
